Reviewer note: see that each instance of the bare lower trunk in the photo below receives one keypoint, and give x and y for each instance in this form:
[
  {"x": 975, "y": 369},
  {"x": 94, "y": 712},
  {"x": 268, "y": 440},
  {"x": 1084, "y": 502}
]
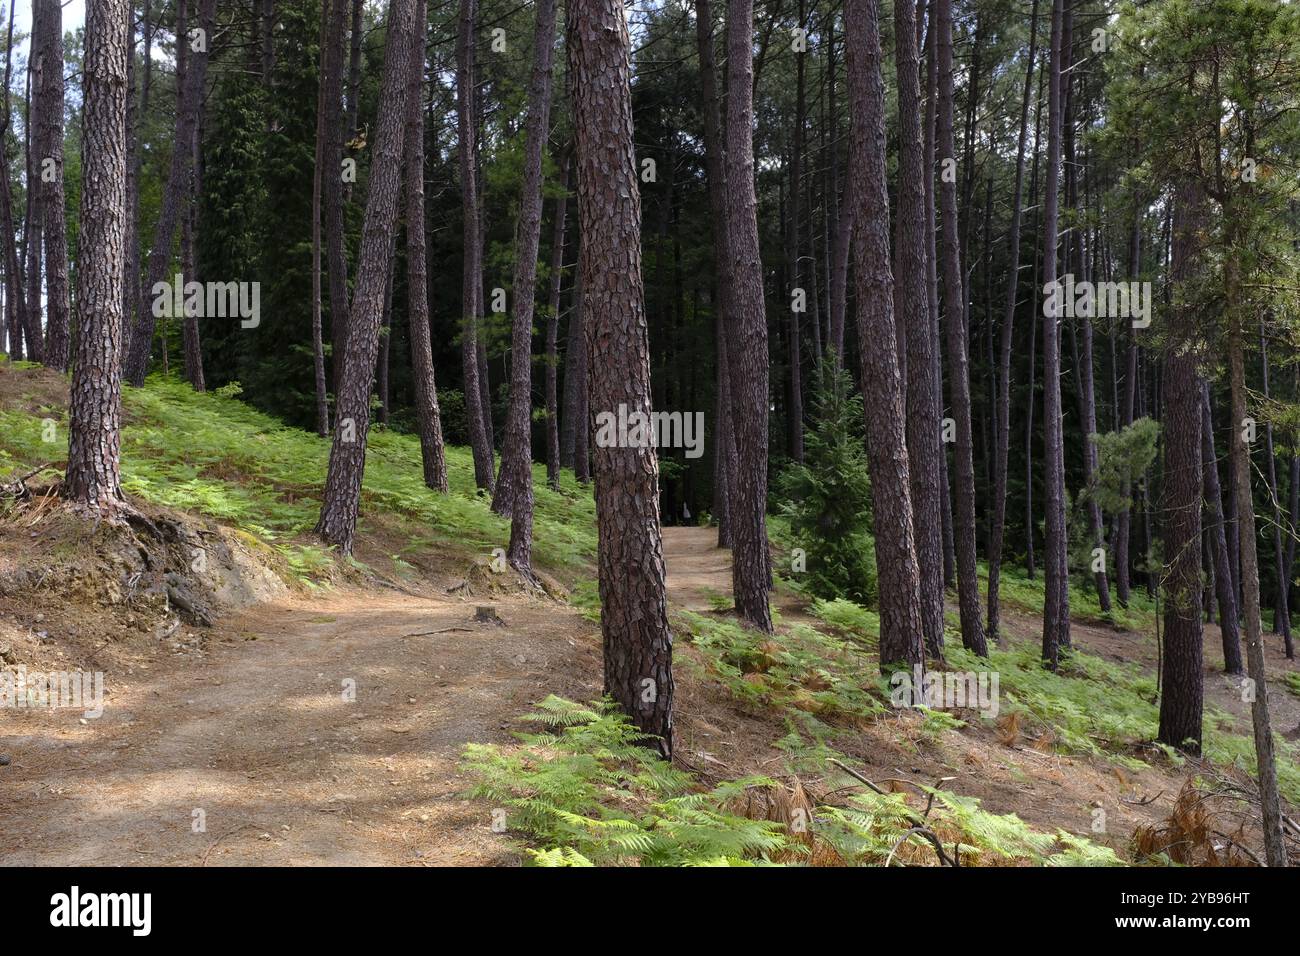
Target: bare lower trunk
[
  {"x": 1216, "y": 533},
  {"x": 997, "y": 524},
  {"x": 49, "y": 109},
  {"x": 553, "y": 331},
  {"x": 746, "y": 332},
  {"x": 514, "y": 491},
  {"x": 911, "y": 307},
  {"x": 634, "y": 608},
  {"x": 901, "y": 641},
  {"x": 972, "y": 625},
  {"x": 1266, "y": 766},
  {"x": 342, "y": 496},
  {"x": 93, "y": 474},
  {"x": 1182, "y": 680},
  {"x": 1056, "y": 611},
  {"x": 428, "y": 419},
  {"x": 472, "y": 284}
]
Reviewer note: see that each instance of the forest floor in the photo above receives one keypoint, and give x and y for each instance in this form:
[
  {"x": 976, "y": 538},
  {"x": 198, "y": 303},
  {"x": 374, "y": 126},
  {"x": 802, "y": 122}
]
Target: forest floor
[
  {"x": 234, "y": 744},
  {"x": 249, "y": 726}
]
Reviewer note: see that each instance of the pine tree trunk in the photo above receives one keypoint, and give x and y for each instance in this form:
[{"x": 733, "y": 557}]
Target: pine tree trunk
[
  {"x": 553, "y": 328},
  {"x": 911, "y": 307},
  {"x": 746, "y": 332},
  {"x": 1056, "y": 610},
  {"x": 472, "y": 284},
  {"x": 332, "y": 186},
  {"x": 1124, "y": 524},
  {"x": 795, "y": 412},
  {"x": 317, "y": 326},
  {"x": 582, "y": 383},
  {"x": 1182, "y": 680},
  {"x": 354, "y": 71},
  {"x": 901, "y": 640},
  {"x": 634, "y": 608},
  {"x": 575, "y": 377},
  {"x": 1281, "y": 615},
  {"x": 190, "y": 323},
  {"x": 134, "y": 165},
  {"x": 93, "y": 480},
  {"x": 514, "y": 491},
  {"x": 997, "y": 523},
  {"x": 49, "y": 111},
  {"x": 342, "y": 496},
  {"x": 15, "y": 298},
  {"x": 1218, "y": 540},
  {"x": 724, "y": 472},
  {"x": 428, "y": 418},
  {"x": 972, "y": 624},
  {"x": 1266, "y": 762}
]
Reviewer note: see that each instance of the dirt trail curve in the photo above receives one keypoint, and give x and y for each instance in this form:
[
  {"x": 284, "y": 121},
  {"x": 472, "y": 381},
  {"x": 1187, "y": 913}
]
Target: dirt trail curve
[
  {"x": 248, "y": 753},
  {"x": 255, "y": 740}
]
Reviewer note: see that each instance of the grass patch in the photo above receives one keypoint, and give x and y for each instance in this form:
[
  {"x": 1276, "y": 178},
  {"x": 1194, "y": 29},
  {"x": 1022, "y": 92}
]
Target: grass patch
[{"x": 216, "y": 456}]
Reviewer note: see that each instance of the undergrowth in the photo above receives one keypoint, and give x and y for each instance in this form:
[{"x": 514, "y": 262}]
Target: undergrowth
[
  {"x": 585, "y": 792},
  {"x": 216, "y": 456}
]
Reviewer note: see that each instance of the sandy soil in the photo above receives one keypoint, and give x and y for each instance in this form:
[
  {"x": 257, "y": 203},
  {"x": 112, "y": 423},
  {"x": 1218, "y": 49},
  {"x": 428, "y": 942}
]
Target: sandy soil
[{"x": 247, "y": 732}]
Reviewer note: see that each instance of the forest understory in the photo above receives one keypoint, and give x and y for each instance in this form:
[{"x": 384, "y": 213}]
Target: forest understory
[{"x": 242, "y": 716}]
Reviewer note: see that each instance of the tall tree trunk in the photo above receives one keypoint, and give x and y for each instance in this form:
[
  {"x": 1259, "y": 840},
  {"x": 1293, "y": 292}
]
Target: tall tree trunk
[
  {"x": 342, "y": 496},
  {"x": 137, "y": 356},
  {"x": 575, "y": 378},
  {"x": 1266, "y": 761},
  {"x": 1056, "y": 610},
  {"x": 472, "y": 284},
  {"x": 746, "y": 332},
  {"x": 582, "y": 384},
  {"x": 795, "y": 411},
  {"x": 190, "y": 320},
  {"x": 724, "y": 439},
  {"x": 1218, "y": 540},
  {"x": 1281, "y": 615},
  {"x": 1124, "y": 523},
  {"x": 32, "y": 224},
  {"x": 514, "y": 490},
  {"x": 972, "y": 624},
  {"x": 317, "y": 343},
  {"x": 553, "y": 328},
  {"x": 932, "y": 277},
  {"x": 427, "y": 415},
  {"x": 93, "y": 480},
  {"x": 354, "y": 71},
  {"x": 638, "y": 644},
  {"x": 911, "y": 307},
  {"x": 1182, "y": 680},
  {"x": 997, "y": 525},
  {"x": 901, "y": 640},
  {"x": 839, "y": 219},
  {"x": 15, "y": 298},
  {"x": 330, "y": 133},
  {"x": 49, "y": 112}
]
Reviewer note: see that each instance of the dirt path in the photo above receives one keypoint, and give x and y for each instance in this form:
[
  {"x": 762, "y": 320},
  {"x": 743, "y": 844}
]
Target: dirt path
[
  {"x": 254, "y": 733},
  {"x": 250, "y": 735}
]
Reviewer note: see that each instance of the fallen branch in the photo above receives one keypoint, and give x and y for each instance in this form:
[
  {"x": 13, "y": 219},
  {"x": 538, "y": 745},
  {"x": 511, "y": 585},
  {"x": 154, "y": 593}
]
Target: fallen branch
[{"x": 441, "y": 630}]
